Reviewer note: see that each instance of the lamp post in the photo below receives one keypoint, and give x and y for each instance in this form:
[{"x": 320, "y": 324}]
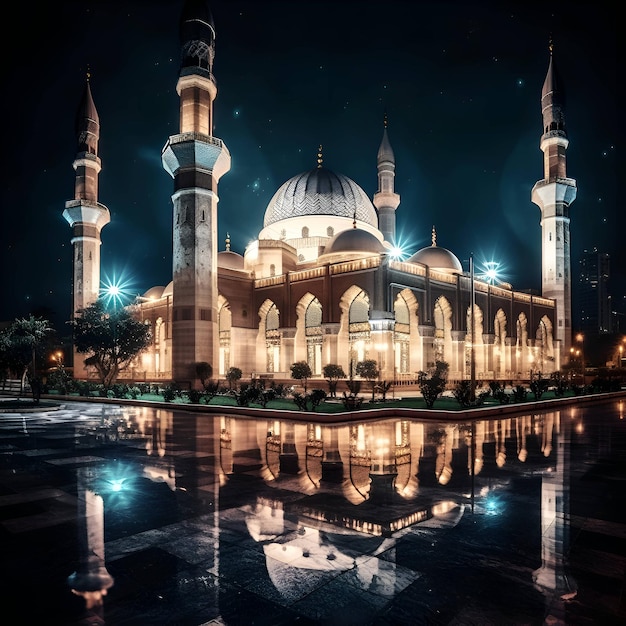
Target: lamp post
[{"x": 580, "y": 338}]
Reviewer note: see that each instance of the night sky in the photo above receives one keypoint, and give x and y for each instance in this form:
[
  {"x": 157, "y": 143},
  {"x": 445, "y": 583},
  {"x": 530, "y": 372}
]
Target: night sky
[{"x": 460, "y": 83}]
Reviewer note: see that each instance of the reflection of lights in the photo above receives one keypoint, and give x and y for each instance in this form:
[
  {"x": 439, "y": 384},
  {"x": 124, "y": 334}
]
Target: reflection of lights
[
  {"x": 493, "y": 506},
  {"x": 579, "y": 428}
]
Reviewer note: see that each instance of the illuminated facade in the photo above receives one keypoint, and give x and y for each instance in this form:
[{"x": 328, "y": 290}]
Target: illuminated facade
[{"x": 320, "y": 283}]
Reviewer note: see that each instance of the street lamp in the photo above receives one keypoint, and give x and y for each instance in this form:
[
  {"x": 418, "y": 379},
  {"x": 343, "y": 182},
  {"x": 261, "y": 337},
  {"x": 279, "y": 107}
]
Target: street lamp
[{"x": 580, "y": 338}]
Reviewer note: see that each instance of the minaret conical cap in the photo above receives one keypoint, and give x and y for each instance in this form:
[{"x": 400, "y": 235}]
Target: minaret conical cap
[{"x": 385, "y": 152}]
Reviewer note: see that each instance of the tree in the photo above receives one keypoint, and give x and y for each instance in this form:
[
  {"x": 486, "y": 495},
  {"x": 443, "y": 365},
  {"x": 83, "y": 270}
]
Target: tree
[
  {"x": 233, "y": 375},
  {"x": 300, "y": 370},
  {"x": 111, "y": 339},
  {"x": 332, "y": 373},
  {"x": 368, "y": 369},
  {"x": 433, "y": 384},
  {"x": 19, "y": 346},
  {"x": 204, "y": 371}
]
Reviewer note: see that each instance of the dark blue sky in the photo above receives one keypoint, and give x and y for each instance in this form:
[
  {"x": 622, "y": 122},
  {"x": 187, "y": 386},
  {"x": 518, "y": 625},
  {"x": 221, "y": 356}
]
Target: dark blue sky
[{"x": 460, "y": 82}]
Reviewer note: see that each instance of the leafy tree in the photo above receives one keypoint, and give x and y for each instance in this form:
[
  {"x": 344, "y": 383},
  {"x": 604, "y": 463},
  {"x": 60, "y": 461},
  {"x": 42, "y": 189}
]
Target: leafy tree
[
  {"x": 432, "y": 384},
  {"x": 233, "y": 375},
  {"x": 19, "y": 347},
  {"x": 368, "y": 369},
  {"x": 204, "y": 371},
  {"x": 332, "y": 373},
  {"x": 111, "y": 339},
  {"x": 300, "y": 370}
]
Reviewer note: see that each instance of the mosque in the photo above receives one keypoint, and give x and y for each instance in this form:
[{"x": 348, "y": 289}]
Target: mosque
[{"x": 321, "y": 283}]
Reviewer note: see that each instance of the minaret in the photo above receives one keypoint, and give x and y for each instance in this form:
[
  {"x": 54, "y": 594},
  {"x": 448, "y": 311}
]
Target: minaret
[
  {"x": 196, "y": 160},
  {"x": 385, "y": 199},
  {"x": 84, "y": 213},
  {"x": 553, "y": 195}
]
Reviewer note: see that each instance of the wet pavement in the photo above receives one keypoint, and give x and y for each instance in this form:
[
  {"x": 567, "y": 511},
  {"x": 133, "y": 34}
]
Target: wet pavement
[{"x": 137, "y": 515}]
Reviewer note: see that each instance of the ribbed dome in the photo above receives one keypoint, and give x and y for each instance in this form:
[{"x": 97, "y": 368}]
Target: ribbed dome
[
  {"x": 354, "y": 240},
  {"x": 437, "y": 258},
  {"x": 229, "y": 260},
  {"x": 320, "y": 192}
]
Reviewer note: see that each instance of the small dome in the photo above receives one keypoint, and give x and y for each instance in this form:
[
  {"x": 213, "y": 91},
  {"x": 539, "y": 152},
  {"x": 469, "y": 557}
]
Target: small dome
[
  {"x": 169, "y": 290},
  {"x": 354, "y": 240},
  {"x": 320, "y": 192},
  {"x": 154, "y": 293},
  {"x": 229, "y": 260},
  {"x": 437, "y": 258}
]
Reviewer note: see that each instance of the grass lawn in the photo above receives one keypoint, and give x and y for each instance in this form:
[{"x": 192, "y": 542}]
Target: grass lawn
[{"x": 444, "y": 403}]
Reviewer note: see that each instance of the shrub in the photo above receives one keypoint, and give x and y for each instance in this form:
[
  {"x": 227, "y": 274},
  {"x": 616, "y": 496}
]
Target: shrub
[
  {"x": 169, "y": 394},
  {"x": 463, "y": 393},
  {"x": 433, "y": 384},
  {"x": 519, "y": 393},
  {"x": 194, "y": 396}
]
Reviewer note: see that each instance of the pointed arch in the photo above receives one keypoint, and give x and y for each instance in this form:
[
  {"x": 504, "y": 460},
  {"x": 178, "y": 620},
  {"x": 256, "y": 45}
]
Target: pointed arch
[
  {"x": 499, "y": 343},
  {"x": 442, "y": 314},
  {"x": 309, "y": 336},
  {"x": 479, "y": 357},
  {"x": 269, "y": 338},
  {"x": 545, "y": 344},
  {"x": 354, "y": 328},
  {"x": 224, "y": 323},
  {"x": 406, "y": 332}
]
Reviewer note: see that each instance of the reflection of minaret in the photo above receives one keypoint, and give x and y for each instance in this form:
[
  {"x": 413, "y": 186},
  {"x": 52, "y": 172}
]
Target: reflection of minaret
[
  {"x": 553, "y": 195},
  {"x": 552, "y": 578},
  {"x": 196, "y": 160},
  {"x": 91, "y": 580},
  {"x": 84, "y": 213}
]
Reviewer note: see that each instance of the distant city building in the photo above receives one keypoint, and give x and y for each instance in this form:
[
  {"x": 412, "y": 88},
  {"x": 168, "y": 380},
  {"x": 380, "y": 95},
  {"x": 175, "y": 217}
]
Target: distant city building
[{"x": 594, "y": 301}]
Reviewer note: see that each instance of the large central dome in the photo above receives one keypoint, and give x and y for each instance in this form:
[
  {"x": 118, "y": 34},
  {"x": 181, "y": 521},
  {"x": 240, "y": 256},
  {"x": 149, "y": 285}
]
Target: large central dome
[{"x": 320, "y": 192}]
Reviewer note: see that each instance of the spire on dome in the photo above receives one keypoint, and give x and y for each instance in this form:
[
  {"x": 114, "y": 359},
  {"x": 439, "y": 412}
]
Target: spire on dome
[
  {"x": 433, "y": 237},
  {"x": 320, "y": 158},
  {"x": 228, "y": 242}
]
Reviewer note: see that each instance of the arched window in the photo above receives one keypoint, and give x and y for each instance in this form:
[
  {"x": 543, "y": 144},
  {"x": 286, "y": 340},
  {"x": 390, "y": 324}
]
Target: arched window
[
  {"x": 272, "y": 339},
  {"x": 305, "y": 231}
]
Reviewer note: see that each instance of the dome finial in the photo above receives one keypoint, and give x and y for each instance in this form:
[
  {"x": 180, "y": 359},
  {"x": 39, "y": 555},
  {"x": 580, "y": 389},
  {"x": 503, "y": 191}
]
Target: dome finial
[
  {"x": 433, "y": 237},
  {"x": 228, "y": 242},
  {"x": 320, "y": 158},
  {"x": 385, "y": 120},
  {"x": 551, "y": 45}
]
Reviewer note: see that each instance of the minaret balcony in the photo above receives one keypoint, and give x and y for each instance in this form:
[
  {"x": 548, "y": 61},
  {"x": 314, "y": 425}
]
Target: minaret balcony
[
  {"x": 554, "y": 190},
  {"x": 195, "y": 150},
  {"x": 86, "y": 212}
]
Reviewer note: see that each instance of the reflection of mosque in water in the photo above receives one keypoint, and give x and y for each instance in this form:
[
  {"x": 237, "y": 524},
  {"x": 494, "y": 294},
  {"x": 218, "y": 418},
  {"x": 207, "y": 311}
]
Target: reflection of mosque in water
[{"x": 309, "y": 493}]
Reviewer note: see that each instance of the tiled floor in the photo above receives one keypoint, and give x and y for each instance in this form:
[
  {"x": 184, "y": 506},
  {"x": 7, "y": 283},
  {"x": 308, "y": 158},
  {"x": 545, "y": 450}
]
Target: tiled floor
[{"x": 136, "y": 515}]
